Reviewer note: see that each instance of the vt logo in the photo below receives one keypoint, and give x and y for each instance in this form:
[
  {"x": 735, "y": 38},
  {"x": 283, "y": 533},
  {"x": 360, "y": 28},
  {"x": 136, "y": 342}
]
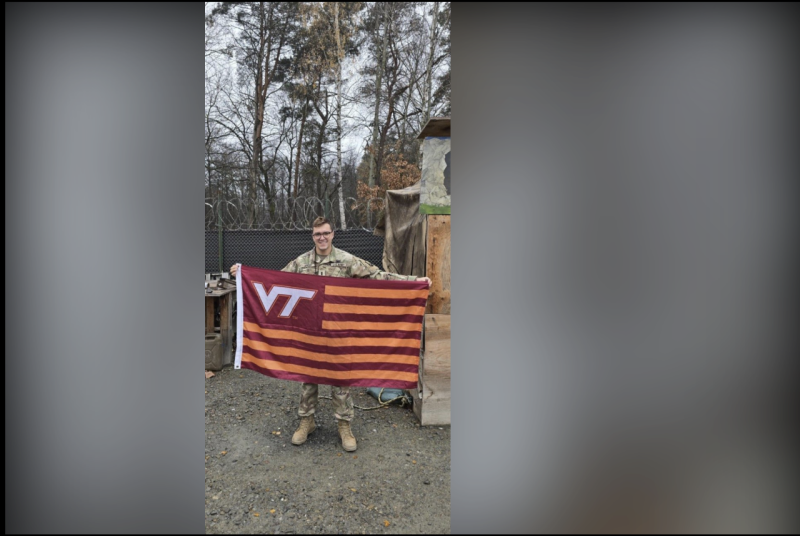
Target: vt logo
[{"x": 295, "y": 295}]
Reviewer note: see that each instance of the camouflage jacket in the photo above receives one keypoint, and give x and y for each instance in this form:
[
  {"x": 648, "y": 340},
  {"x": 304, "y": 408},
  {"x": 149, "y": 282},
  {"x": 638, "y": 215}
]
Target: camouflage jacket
[{"x": 340, "y": 263}]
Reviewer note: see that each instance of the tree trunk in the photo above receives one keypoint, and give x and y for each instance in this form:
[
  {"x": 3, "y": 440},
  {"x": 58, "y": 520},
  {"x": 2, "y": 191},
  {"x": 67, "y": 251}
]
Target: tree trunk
[
  {"x": 378, "y": 82},
  {"x": 324, "y": 117},
  {"x": 385, "y": 130},
  {"x": 263, "y": 81},
  {"x": 426, "y": 105},
  {"x": 299, "y": 147},
  {"x": 258, "y": 123},
  {"x": 339, "y": 115},
  {"x": 429, "y": 71}
]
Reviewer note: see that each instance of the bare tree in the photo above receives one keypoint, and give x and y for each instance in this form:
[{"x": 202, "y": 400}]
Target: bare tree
[
  {"x": 266, "y": 30},
  {"x": 284, "y": 102}
]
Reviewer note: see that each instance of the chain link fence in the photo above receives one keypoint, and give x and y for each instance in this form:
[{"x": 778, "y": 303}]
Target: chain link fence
[
  {"x": 271, "y": 238},
  {"x": 275, "y": 249}
]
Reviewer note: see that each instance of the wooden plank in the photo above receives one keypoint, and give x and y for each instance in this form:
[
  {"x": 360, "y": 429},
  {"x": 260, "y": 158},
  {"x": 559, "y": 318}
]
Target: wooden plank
[
  {"x": 436, "y": 126},
  {"x": 437, "y": 264},
  {"x": 209, "y": 314},
  {"x": 433, "y": 406},
  {"x": 225, "y": 328},
  {"x": 416, "y": 404},
  {"x": 437, "y": 346},
  {"x": 432, "y": 400}
]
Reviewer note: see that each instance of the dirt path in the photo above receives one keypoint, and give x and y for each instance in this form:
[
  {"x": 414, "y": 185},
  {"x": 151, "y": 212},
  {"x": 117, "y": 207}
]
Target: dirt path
[{"x": 398, "y": 481}]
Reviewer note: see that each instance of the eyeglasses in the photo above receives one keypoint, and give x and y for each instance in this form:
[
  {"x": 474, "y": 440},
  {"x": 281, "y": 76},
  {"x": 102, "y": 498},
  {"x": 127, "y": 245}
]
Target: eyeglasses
[{"x": 320, "y": 235}]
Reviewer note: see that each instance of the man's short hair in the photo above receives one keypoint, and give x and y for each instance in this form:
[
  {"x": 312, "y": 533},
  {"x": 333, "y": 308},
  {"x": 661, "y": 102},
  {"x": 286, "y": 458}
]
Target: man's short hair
[{"x": 319, "y": 222}]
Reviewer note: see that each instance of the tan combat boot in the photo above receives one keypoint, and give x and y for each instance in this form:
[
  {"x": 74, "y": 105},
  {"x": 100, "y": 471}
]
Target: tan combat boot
[
  {"x": 307, "y": 426},
  {"x": 348, "y": 440}
]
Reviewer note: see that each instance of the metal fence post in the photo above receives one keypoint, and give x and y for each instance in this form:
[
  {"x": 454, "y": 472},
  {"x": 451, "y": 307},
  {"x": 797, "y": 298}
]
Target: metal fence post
[{"x": 219, "y": 225}]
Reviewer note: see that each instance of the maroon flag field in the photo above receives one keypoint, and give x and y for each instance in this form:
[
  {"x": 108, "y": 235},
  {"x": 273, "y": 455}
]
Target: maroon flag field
[{"x": 329, "y": 330}]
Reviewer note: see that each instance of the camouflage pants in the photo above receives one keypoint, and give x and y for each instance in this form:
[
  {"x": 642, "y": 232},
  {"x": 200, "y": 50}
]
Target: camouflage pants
[{"x": 342, "y": 401}]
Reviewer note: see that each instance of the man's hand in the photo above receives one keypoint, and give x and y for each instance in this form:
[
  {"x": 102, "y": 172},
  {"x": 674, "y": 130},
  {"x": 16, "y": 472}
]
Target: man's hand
[
  {"x": 425, "y": 279},
  {"x": 234, "y": 269}
]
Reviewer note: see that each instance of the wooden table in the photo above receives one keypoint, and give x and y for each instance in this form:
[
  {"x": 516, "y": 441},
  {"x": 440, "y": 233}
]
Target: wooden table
[{"x": 226, "y": 298}]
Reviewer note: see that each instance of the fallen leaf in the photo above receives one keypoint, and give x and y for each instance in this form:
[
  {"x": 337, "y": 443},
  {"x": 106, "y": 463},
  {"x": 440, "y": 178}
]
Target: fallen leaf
[
  {"x": 413, "y": 461},
  {"x": 209, "y": 374},
  {"x": 272, "y": 511},
  {"x": 352, "y": 489},
  {"x": 339, "y": 454},
  {"x": 355, "y": 457},
  {"x": 385, "y": 522},
  {"x": 224, "y": 452},
  {"x": 256, "y": 514}
]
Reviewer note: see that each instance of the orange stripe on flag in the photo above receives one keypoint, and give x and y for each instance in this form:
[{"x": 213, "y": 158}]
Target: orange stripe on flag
[
  {"x": 374, "y": 292},
  {"x": 331, "y": 358},
  {"x": 373, "y": 309},
  {"x": 333, "y": 374},
  {"x": 329, "y": 341},
  {"x": 372, "y": 326}
]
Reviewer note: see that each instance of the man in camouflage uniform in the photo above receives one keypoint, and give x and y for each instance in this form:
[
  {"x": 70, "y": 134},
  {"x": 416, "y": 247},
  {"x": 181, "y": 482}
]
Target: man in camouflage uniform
[{"x": 326, "y": 260}]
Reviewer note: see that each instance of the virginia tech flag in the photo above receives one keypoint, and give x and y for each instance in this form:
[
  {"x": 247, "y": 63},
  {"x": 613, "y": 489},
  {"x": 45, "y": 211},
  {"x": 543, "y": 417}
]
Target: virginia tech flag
[{"x": 329, "y": 330}]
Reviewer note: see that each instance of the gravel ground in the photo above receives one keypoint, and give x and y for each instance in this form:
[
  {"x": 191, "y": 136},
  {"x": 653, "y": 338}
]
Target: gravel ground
[{"x": 397, "y": 482}]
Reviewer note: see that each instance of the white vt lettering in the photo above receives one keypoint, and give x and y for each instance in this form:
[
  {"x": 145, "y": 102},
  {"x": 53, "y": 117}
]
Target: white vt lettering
[{"x": 295, "y": 295}]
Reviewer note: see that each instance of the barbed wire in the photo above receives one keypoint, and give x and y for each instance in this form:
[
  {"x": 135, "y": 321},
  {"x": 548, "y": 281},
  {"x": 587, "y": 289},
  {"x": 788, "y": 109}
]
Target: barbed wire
[{"x": 290, "y": 214}]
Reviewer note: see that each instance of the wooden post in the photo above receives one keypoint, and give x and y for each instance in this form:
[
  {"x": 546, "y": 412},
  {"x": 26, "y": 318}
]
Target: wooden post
[
  {"x": 433, "y": 406},
  {"x": 432, "y": 396},
  {"x": 225, "y": 328},
  {"x": 438, "y": 264},
  {"x": 209, "y": 314}
]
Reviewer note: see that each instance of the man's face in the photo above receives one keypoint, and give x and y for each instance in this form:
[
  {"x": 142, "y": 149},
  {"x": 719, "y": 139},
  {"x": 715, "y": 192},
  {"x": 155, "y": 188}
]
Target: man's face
[{"x": 323, "y": 237}]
